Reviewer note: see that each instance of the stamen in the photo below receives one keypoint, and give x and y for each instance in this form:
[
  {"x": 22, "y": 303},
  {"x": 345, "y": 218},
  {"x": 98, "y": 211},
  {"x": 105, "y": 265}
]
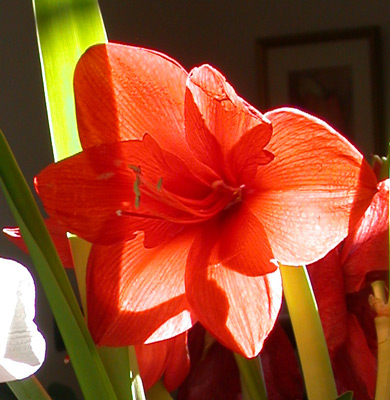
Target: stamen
[{"x": 222, "y": 197}]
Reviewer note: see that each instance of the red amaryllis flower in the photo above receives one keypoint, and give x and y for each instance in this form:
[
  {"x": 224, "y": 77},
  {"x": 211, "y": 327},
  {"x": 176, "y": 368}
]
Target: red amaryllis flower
[
  {"x": 340, "y": 281},
  {"x": 188, "y": 193},
  {"x": 214, "y": 373},
  {"x": 168, "y": 359}
]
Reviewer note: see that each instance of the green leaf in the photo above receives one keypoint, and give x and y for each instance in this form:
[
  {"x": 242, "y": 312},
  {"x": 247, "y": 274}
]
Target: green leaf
[
  {"x": 82, "y": 351},
  {"x": 251, "y": 376},
  {"x": 29, "y": 388},
  {"x": 65, "y": 29},
  {"x": 158, "y": 392},
  {"x": 346, "y": 396},
  {"x": 308, "y": 332}
]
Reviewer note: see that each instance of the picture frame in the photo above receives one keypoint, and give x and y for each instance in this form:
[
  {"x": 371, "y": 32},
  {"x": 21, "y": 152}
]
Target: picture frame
[{"x": 335, "y": 75}]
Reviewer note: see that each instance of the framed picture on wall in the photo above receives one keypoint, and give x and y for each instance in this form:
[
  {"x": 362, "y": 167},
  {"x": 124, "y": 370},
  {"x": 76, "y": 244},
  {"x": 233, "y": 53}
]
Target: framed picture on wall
[{"x": 334, "y": 75}]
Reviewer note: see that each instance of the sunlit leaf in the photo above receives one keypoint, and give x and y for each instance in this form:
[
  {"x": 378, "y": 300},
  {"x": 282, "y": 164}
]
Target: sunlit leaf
[{"x": 65, "y": 29}]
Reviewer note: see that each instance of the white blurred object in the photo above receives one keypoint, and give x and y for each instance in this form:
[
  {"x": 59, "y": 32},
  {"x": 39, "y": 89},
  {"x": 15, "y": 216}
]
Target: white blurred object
[{"x": 22, "y": 346}]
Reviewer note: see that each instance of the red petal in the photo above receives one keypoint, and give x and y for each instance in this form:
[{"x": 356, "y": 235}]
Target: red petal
[
  {"x": 328, "y": 284},
  {"x": 214, "y": 376},
  {"x": 281, "y": 370},
  {"x": 168, "y": 357},
  {"x": 239, "y": 310},
  {"x": 317, "y": 187},
  {"x": 58, "y": 235},
  {"x": 213, "y": 108},
  {"x": 178, "y": 363},
  {"x": 137, "y": 295},
  {"x": 366, "y": 249},
  {"x": 99, "y": 183},
  {"x": 123, "y": 92},
  {"x": 248, "y": 154},
  {"x": 355, "y": 365}
]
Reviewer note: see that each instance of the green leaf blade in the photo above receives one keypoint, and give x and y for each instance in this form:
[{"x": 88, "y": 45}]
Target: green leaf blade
[
  {"x": 87, "y": 364},
  {"x": 65, "y": 29}
]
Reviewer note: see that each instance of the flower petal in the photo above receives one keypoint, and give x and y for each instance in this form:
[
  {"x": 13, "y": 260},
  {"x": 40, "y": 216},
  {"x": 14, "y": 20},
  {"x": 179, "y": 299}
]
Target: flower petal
[
  {"x": 167, "y": 357},
  {"x": 281, "y": 370},
  {"x": 123, "y": 92},
  {"x": 248, "y": 154},
  {"x": 212, "y": 107},
  {"x": 99, "y": 182},
  {"x": 214, "y": 375},
  {"x": 366, "y": 249},
  {"x": 239, "y": 310},
  {"x": 137, "y": 295},
  {"x": 327, "y": 280},
  {"x": 313, "y": 192},
  {"x": 22, "y": 347},
  {"x": 355, "y": 365}
]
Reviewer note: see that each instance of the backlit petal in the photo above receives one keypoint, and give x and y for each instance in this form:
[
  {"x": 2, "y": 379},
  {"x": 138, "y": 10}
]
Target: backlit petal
[
  {"x": 366, "y": 249},
  {"x": 92, "y": 193},
  {"x": 313, "y": 192},
  {"x": 22, "y": 347},
  {"x": 167, "y": 357},
  {"x": 137, "y": 295},
  {"x": 248, "y": 154},
  {"x": 123, "y": 92},
  {"x": 220, "y": 109},
  {"x": 239, "y": 310}
]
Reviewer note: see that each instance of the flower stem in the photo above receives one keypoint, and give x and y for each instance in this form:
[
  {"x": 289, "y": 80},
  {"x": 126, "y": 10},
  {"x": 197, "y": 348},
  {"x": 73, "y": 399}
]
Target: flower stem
[
  {"x": 309, "y": 335},
  {"x": 137, "y": 388},
  {"x": 382, "y": 326},
  {"x": 251, "y": 376},
  {"x": 158, "y": 392}
]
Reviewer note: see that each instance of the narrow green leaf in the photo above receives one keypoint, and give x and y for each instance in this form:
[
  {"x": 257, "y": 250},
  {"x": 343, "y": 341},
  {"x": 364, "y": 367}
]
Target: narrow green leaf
[
  {"x": 309, "y": 335},
  {"x": 82, "y": 351},
  {"x": 346, "y": 396},
  {"x": 137, "y": 388},
  {"x": 251, "y": 376},
  {"x": 29, "y": 388},
  {"x": 158, "y": 392},
  {"x": 65, "y": 29}
]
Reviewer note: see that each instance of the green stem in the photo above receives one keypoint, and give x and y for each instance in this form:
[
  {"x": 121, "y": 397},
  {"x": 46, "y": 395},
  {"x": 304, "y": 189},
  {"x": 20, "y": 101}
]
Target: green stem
[
  {"x": 251, "y": 375},
  {"x": 382, "y": 391},
  {"x": 382, "y": 326},
  {"x": 137, "y": 388},
  {"x": 86, "y": 362},
  {"x": 309, "y": 335},
  {"x": 29, "y": 388},
  {"x": 158, "y": 392}
]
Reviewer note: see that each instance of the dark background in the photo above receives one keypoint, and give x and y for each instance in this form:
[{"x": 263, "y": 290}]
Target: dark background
[{"x": 221, "y": 33}]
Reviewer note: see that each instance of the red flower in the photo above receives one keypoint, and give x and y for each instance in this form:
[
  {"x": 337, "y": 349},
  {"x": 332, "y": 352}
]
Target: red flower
[
  {"x": 340, "y": 282},
  {"x": 168, "y": 358},
  {"x": 186, "y": 208},
  {"x": 214, "y": 373}
]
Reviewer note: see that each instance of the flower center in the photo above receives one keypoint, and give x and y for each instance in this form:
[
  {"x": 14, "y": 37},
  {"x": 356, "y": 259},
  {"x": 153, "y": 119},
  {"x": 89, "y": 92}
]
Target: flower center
[
  {"x": 234, "y": 192},
  {"x": 180, "y": 209}
]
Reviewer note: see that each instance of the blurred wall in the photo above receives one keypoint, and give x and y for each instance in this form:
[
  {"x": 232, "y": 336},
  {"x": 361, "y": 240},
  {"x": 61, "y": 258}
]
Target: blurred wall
[{"x": 221, "y": 33}]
